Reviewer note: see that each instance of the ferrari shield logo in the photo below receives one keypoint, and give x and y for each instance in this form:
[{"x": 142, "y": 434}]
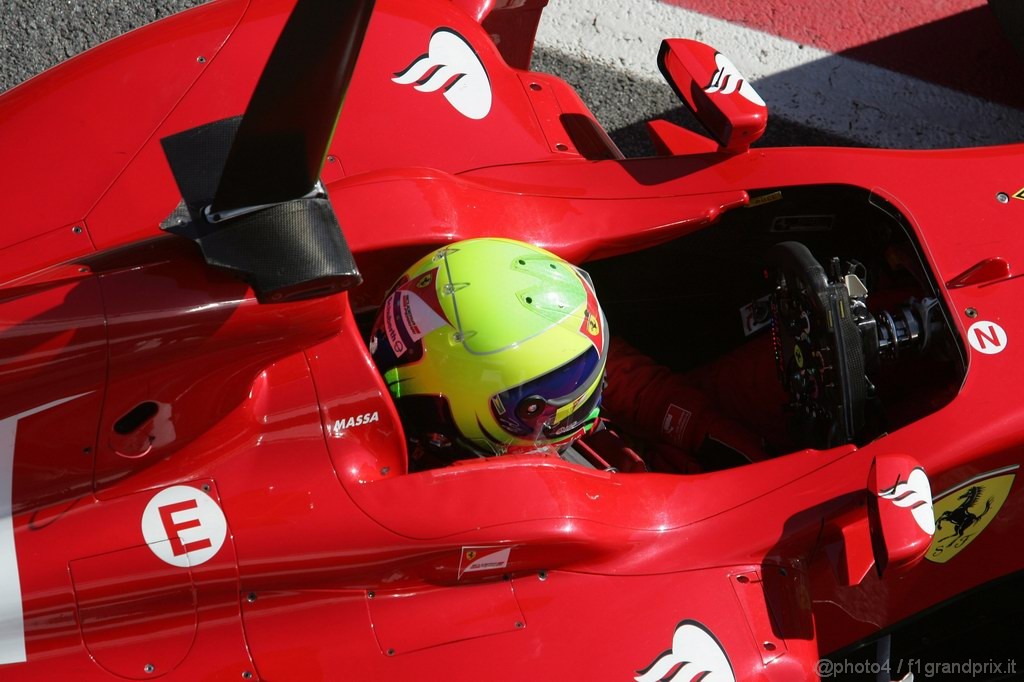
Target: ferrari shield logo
[
  {"x": 483, "y": 559},
  {"x": 963, "y": 513}
]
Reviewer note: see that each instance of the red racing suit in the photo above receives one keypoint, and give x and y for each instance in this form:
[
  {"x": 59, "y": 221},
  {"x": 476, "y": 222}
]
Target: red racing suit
[{"x": 736, "y": 401}]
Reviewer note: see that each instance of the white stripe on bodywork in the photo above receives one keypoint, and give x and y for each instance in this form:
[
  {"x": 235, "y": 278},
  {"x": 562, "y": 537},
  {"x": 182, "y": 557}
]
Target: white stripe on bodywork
[
  {"x": 12, "y": 620},
  {"x": 861, "y": 102}
]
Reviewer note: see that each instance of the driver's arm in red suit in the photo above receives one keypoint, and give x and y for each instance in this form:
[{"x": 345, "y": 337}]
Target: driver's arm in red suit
[{"x": 661, "y": 407}]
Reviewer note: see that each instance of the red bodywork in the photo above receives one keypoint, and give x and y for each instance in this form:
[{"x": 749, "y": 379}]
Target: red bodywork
[{"x": 131, "y": 368}]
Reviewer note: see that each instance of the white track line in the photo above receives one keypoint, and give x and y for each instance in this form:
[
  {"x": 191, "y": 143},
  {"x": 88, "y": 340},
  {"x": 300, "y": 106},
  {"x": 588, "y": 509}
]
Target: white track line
[{"x": 868, "y": 104}]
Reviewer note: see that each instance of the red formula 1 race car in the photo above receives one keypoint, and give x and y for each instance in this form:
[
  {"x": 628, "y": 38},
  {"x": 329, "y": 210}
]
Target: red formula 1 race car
[{"x": 203, "y": 475}]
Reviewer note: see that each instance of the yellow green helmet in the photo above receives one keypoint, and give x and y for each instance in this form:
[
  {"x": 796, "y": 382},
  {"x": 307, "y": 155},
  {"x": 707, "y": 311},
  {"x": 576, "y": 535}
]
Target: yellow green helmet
[{"x": 491, "y": 345}]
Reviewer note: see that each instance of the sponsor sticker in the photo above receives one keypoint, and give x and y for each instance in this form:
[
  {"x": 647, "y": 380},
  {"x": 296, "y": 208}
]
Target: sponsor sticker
[
  {"x": 674, "y": 423},
  {"x": 419, "y": 318},
  {"x": 987, "y": 337},
  {"x": 727, "y": 80},
  {"x": 391, "y": 330},
  {"x": 961, "y": 514},
  {"x": 696, "y": 654},
  {"x": 475, "y": 559},
  {"x": 184, "y": 526},
  {"x": 915, "y": 494},
  {"x": 341, "y": 425},
  {"x": 451, "y": 67},
  {"x": 763, "y": 199}
]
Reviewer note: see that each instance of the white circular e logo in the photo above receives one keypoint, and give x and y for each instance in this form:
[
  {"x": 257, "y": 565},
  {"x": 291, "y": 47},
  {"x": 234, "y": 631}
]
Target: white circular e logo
[
  {"x": 987, "y": 337},
  {"x": 184, "y": 526}
]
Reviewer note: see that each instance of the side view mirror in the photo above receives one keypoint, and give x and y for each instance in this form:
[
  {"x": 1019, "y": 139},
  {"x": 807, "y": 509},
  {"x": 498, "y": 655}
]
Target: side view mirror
[
  {"x": 711, "y": 86},
  {"x": 900, "y": 512}
]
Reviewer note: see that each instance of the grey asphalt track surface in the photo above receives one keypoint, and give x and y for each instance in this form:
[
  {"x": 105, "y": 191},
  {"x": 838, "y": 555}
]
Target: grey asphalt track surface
[{"x": 37, "y": 34}]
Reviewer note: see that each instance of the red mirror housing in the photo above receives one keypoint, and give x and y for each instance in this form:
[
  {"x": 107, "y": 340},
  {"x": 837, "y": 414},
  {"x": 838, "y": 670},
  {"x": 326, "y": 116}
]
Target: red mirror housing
[
  {"x": 899, "y": 511},
  {"x": 711, "y": 86}
]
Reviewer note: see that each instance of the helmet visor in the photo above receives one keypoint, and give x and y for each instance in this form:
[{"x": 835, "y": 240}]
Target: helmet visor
[{"x": 554, "y": 403}]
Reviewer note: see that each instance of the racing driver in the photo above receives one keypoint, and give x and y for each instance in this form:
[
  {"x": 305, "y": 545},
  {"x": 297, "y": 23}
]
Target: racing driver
[{"x": 492, "y": 346}]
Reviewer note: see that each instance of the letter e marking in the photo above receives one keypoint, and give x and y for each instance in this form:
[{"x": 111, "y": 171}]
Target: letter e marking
[
  {"x": 184, "y": 526},
  {"x": 173, "y": 527}
]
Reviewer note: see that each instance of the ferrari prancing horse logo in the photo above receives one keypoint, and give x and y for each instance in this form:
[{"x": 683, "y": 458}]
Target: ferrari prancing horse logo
[{"x": 962, "y": 513}]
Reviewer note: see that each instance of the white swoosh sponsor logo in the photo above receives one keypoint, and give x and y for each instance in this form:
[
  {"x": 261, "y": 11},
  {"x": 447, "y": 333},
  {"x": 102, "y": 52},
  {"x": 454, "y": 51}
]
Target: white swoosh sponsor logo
[
  {"x": 728, "y": 79},
  {"x": 915, "y": 493},
  {"x": 452, "y": 66},
  {"x": 695, "y": 654}
]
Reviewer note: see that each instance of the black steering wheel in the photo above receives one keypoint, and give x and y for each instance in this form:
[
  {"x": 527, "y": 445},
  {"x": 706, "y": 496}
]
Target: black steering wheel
[{"x": 818, "y": 349}]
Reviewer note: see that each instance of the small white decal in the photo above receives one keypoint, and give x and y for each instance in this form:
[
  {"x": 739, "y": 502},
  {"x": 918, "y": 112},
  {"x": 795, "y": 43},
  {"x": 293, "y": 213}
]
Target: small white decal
[
  {"x": 483, "y": 559},
  {"x": 419, "y": 318},
  {"x": 344, "y": 423},
  {"x": 987, "y": 337},
  {"x": 696, "y": 654},
  {"x": 451, "y": 64},
  {"x": 728, "y": 79},
  {"x": 916, "y": 493},
  {"x": 756, "y": 315},
  {"x": 391, "y": 330},
  {"x": 184, "y": 526},
  {"x": 674, "y": 423}
]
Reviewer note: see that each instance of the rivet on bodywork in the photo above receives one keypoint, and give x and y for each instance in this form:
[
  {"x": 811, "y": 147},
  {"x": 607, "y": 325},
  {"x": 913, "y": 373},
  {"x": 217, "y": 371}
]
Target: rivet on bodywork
[
  {"x": 971, "y": 312},
  {"x": 1003, "y": 198},
  {"x": 148, "y": 668}
]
